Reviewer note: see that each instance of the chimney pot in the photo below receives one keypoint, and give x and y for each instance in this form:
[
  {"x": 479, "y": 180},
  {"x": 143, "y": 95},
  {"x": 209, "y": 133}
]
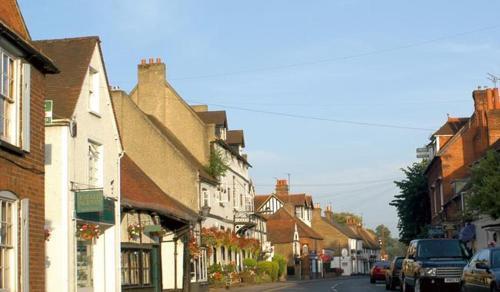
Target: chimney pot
[
  {"x": 158, "y": 60},
  {"x": 151, "y": 60},
  {"x": 143, "y": 61}
]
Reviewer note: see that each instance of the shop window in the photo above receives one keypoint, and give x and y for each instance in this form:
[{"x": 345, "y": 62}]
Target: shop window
[
  {"x": 84, "y": 264},
  {"x": 136, "y": 267}
]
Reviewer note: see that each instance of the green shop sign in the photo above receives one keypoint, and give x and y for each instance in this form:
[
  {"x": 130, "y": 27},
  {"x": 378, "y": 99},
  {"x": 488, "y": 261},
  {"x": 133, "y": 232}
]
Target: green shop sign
[{"x": 91, "y": 205}]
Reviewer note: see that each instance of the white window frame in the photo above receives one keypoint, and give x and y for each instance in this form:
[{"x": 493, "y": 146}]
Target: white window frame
[
  {"x": 11, "y": 104},
  {"x": 205, "y": 197},
  {"x": 98, "y": 180},
  {"x": 94, "y": 90},
  {"x": 13, "y": 248}
]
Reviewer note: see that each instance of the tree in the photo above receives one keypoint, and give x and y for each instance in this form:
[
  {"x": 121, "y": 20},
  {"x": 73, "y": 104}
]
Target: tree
[
  {"x": 342, "y": 217},
  {"x": 391, "y": 246},
  {"x": 484, "y": 197},
  {"x": 412, "y": 203}
]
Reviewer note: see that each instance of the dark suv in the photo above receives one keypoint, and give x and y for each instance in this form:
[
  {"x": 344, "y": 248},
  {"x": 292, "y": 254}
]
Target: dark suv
[{"x": 433, "y": 264}]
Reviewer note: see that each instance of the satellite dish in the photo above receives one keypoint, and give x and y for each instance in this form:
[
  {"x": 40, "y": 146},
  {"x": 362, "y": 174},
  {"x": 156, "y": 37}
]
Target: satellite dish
[{"x": 344, "y": 252}]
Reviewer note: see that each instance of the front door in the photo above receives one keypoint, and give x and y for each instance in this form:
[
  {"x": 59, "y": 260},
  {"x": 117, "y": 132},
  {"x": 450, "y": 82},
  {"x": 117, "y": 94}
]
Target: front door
[{"x": 84, "y": 263}]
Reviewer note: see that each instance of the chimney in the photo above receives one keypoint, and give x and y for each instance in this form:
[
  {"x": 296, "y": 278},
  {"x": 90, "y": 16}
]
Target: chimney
[
  {"x": 486, "y": 99},
  {"x": 282, "y": 187},
  {"x": 316, "y": 212},
  {"x": 152, "y": 72},
  {"x": 199, "y": 108},
  {"x": 329, "y": 213}
]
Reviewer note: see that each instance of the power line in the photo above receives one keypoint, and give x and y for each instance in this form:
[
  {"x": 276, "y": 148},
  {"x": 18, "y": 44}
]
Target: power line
[
  {"x": 338, "y": 184},
  {"x": 329, "y": 60},
  {"x": 304, "y": 117}
]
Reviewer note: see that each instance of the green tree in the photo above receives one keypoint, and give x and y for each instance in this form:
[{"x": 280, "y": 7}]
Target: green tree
[
  {"x": 412, "y": 203},
  {"x": 393, "y": 247},
  {"x": 342, "y": 217},
  {"x": 485, "y": 193},
  {"x": 218, "y": 165}
]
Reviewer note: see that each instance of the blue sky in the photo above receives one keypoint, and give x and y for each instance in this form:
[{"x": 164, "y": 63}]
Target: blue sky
[{"x": 225, "y": 53}]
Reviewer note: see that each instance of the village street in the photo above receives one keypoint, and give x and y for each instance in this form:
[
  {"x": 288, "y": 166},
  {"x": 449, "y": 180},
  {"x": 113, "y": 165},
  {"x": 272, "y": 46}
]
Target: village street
[{"x": 333, "y": 285}]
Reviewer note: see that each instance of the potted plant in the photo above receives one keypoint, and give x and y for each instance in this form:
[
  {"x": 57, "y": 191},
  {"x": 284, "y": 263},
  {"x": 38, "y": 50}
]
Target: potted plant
[{"x": 88, "y": 231}]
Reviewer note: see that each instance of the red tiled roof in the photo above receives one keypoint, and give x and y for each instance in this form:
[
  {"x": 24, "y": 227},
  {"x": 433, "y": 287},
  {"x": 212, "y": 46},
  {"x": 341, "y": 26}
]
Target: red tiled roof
[
  {"x": 297, "y": 199},
  {"x": 72, "y": 57},
  {"x": 258, "y": 200},
  {"x": 10, "y": 14},
  {"x": 281, "y": 227},
  {"x": 235, "y": 137},
  {"x": 452, "y": 126},
  {"x": 139, "y": 191}
]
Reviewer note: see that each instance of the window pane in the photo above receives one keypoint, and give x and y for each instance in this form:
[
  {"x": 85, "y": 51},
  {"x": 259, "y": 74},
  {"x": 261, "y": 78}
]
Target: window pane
[
  {"x": 125, "y": 268},
  {"x": 5, "y": 74},
  {"x": 84, "y": 264},
  {"x": 146, "y": 268},
  {"x": 134, "y": 267}
]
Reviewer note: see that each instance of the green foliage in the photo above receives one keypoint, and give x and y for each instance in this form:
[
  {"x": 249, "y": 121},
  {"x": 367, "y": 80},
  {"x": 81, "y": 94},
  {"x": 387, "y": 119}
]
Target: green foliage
[
  {"x": 268, "y": 268},
  {"x": 485, "y": 192},
  {"x": 281, "y": 261},
  {"x": 412, "y": 203},
  {"x": 214, "y": 268},
  {"x": 249, "y": 263},
  {"x": 229, "y": 268},
  {"x": 342, "y": 217},
  {"x": 217, "y": 166},
  {"x": 392, "y": 246}
]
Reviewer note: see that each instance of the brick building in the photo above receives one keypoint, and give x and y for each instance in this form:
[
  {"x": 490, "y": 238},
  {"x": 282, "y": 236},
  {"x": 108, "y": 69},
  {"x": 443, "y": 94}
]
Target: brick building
[
  {"x": 22, "y": 93},
  {"x": 454, "y": 147}
]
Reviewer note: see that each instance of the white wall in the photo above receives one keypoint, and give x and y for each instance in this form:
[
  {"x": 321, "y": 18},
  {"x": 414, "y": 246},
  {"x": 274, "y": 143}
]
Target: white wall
[{"x": 73, "y": 167}]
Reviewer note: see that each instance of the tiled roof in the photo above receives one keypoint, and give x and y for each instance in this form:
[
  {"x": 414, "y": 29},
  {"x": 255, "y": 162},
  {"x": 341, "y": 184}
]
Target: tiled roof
[
  {"x": 218, "y": 118},
  {"x": 139, "y": 191},
  {"x": 369, "y": 239},
  {"x": 297, "y": 199},
  {"x": 452, "y": 126},
  {"x": 72, "y": 57},
  {"x": 180, "y": 146},
  {"x": 10, "y": 14},
  {"x": 258, "y": 200},
  {"x": 235, "y": 137},
  {"x": 281, "y": 227},
  {"x": 343, "y": 229}
]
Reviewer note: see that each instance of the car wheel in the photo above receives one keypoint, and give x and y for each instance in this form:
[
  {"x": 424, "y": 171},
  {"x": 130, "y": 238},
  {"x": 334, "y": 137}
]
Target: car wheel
[
  {"x": 372, "y": 280},
  {"x": 387, "y": 285}
]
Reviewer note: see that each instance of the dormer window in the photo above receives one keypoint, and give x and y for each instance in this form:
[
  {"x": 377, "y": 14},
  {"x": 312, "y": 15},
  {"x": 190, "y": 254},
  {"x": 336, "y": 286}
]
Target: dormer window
[{"x": 94, "y": 89}]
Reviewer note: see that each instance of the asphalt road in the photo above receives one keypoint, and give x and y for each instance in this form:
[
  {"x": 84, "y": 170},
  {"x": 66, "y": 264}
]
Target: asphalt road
[{"x": 357, "y": 284}]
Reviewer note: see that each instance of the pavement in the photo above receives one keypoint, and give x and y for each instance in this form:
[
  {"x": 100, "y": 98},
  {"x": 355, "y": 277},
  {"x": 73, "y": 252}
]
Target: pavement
[{"x": 342, "y": 284}]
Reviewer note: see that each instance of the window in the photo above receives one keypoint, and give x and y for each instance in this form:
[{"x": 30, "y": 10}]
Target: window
[
  {"x": 7, "y": 244},
  {"x": 241, "y": 200},
  {"x": 84, "y": 264},
  {"x": 223, "y": 253},
  {"x": 14, "y": 100},
  {"x": 206, "y": 197},
  {"x": 199, "y": 267},
  {"x": 95, "y": 164},
  {"x": 298, "y": 211},
  {"x": 136, "y": 267},
  {"x": 94, "y": 88}
]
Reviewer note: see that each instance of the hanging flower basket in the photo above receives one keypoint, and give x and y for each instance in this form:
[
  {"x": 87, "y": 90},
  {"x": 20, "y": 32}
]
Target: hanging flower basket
[
  {"x": 134, "y": 230},
  {"x": 194, "y": 248},
  {"x": 88, "y": 231},
  {"x": 47, "y": 233}
]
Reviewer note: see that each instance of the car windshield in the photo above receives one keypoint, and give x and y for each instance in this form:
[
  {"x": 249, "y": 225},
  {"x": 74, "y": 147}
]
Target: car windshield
[
  {"x": 383, "y": 265},
  {"x": 441, "y": 249},
  {"x": 399, "y": 263},
  {"x": 495, "y": 258}
]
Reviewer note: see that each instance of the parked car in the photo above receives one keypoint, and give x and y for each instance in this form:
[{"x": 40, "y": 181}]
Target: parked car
[
  {"x": 433, "y": 264},
  {"x": 483, "y": 272},
  {"x": 377, "y": 273},
  {"x": 392, "y": 274}
]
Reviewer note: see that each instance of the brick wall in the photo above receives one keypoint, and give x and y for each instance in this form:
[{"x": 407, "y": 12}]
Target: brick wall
[{"x": 24, "y": 176}]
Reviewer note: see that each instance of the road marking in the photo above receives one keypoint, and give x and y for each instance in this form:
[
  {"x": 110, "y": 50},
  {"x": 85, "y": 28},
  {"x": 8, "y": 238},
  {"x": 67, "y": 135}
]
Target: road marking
[{"x": 334, "y": 287}]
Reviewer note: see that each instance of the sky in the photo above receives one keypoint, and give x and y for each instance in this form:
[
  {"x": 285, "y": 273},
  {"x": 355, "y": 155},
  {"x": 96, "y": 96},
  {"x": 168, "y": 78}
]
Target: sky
[{"x": 290, "y": 73}]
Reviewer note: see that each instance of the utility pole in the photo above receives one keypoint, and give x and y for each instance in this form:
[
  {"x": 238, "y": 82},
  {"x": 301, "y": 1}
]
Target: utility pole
[{"x": 289, "y": 183}]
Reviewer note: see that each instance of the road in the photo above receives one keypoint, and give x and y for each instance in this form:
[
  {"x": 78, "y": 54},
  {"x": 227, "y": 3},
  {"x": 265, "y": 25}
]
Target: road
[{"x": 357, "y": 284}]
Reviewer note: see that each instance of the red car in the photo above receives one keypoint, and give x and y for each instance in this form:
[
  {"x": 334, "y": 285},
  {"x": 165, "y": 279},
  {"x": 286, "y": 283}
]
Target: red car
[{"x": 377, "y": 273}]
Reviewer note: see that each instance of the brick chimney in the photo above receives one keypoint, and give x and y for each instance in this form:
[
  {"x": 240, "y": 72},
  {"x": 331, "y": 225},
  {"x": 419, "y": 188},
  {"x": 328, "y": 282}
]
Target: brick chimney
[
  {"x": 282, "y": 187},
  {"x": 151, "y": 96},
  {"x": 486, "y": 99},
  {"x": 316, "y": 212},
  {"x": 329, "y": 213}
]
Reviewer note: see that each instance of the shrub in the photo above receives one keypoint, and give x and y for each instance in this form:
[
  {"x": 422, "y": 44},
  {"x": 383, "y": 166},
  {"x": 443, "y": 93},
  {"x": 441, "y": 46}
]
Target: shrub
[
  {"x": 249, "y": 263},
  {"x": 248, "y": 276},
  {"x": 265, "y": 278},
  {"x": 269, "y": 268},
  {"x": 229, "y": 268},
  {"x": 281, "y": 261}
]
